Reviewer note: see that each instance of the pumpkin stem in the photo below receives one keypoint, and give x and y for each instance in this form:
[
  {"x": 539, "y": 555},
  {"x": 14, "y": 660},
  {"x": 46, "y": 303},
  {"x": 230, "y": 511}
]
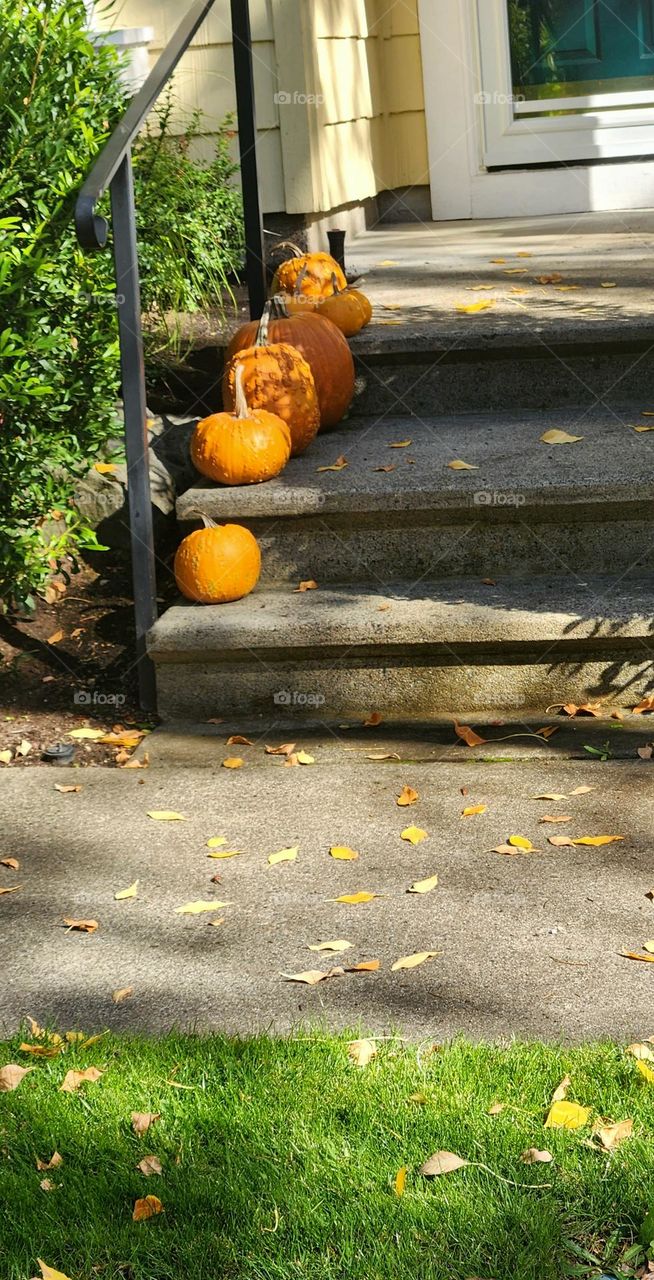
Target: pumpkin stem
[
  {"x": 300, "y": 280},
  {"x": 335, "y": 288},
  {"x": 288, "y": 244},
  {"x": 206, "y": 520},
  {"x": 278, "y": 308},
  {"x": 240, "y": 402},
  {"x": 261, "y": 339}
]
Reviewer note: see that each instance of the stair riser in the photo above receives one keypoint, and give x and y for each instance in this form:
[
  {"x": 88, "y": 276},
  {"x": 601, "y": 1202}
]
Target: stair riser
[
  {"x": 381, "y": 549},
  {"x": 402, "y": 685},
  {"x": 515, "y": 382}
]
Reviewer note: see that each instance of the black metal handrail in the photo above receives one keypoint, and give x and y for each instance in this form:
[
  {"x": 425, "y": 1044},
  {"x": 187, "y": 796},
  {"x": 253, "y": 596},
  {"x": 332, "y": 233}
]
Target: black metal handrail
[{"x": 113, "y": 171}]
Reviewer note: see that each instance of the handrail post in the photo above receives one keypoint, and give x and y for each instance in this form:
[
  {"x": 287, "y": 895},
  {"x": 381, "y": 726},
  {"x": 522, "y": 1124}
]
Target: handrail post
[
  {"x": 128, "y": 300},
  {"x": 255, "y": 267}
]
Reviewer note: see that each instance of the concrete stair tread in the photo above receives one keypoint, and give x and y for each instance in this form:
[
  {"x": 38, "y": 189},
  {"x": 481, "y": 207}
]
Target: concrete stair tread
[
  {"x": 461, "y": 616},
  {"x": 611, "y": 466}
]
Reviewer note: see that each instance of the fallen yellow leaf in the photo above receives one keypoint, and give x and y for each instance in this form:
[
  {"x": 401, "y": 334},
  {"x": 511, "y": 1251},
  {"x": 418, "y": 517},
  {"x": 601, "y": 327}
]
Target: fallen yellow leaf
[
  {"x": 608, "y": 284},
  {"x": 342, "y": 852},
  {"x": 459, "y": 465},
  {"x": 567, "y": 1115},
  {"x": 400, "y": 1181},
  {"x": 364, "y": 966},
  {"x": 340, "y": 463},
  {"x": 407, "y": 796},
  {"x": 361, "y": 1051},
  {"x": 104, "y": 468},
  {"x": 216, "y": 842},
  {"x": 556, "y": 436},
  {"x": 473, "y": 308},
  {"x": 303, "y": 757},
  {"x": 166, "y": 815},
  {"x": 645, "y": 1071},
  {"x": 14, "y": 889},
  {"x": 224, "y": 853},
  {"x": 411, "y": 962},
  {"x": 522, "y": 842},
  {"x": 131, "y": 892},
  {"x": 414, "y": 835},
  {"x": 233, "y": 762},
  {"x": 198, "y": 907},
  {"x": 597, "y": 840},
  {"x": 400, "y": 444},
  {"x": 354, "y": 898},
  {"x": 311, "y": 977},
  {"x": 423, "y": 886},
  {"x": 309, "y": 584},
  {"x": 338, "y": 944},
  {"x": 55, "y": 637},
  {"x": 284, "y": 855},
  {"x": 123, "y": 993},
  {"x": 472, "y": 809},
  {"x": 146, "y": 1208},
  {"x": 49, "y": 1273},
  {"x": 93, "y": 735},
  {"x": 635, "y": 955}
]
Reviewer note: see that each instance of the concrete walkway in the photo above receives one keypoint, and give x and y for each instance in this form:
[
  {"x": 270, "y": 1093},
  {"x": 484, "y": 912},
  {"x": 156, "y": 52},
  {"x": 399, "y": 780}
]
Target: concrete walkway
[{"x": 530, "y": 944}]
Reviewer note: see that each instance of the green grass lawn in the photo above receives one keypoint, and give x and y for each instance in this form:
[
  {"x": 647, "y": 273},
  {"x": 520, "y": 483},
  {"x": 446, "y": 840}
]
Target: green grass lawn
[{"x": 280, "y": 1157}]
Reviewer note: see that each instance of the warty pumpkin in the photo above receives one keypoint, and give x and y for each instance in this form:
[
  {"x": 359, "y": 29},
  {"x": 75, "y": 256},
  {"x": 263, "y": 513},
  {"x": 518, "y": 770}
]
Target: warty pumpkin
[
  {"x": 244, "y": 447},
  {"x": 276, "y": 377},
  {"x": 348, "y": 309},
  {"x": 217, "y": 564},
  {"x": 320, "y": 342},
  {"x": 310, "y": 273}
]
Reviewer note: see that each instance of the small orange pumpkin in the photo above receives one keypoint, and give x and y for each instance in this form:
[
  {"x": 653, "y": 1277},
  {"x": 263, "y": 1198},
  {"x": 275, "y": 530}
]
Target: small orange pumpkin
[
  {"x": 217, "y": 564},
  {"x": 345, "y": 309},
  {"x": 366, "y": 304},
  {"x": 310, "y": 273},
  {"x": 276, "y": 377},
  {"x": 245, "y": 447},
  {"x": 319, "y": 341}
]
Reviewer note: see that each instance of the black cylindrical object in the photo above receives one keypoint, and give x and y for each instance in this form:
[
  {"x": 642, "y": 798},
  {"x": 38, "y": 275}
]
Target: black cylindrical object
[{"x": 336, "y": 240}]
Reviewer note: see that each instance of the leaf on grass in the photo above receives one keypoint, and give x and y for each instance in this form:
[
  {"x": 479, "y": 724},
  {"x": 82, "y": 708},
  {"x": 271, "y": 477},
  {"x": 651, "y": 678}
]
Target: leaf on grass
[
  {"x": 556, "y": 436},
  {"x": 49, "y": 1273},
  {"x": 146, "y": 1208},
  {"x": 166, "y": 815},
  {"x": 338, "y": 944},
  {"x": 130, "y": 892},
  {"x": 419, "y": 1099},
  {"x": 407, "y": 796},
  {"x": 42, "y": 1050},
  {"x": 141, "y": 1120},
  {"x": 442, "y": 1162},
  {"x": 123, "y": 993},
  {"x": 611, "y": 1135},
  {"x": 414, "y": 835},
  {"x": 199, "y": 906},
  {"x": 596, "y": 840},
  {"x": 641, "y": 1051},
  {"x": 342, "y": 853},
  {"x": 237, "y": 740},
  {"x": 92, "y": 735},
  {"x": 472, "y": 308},
  {"x": 496, "y": 1109},
  {"x": 412, "y": 962},
  {"x": 65, "y": 788},
  {"x": 216, "y": 842},
  {"x": 423, "y": 886},
  {"x": 82, "y": 926},
  {"x": 233, "y": 762},
  {"x": 46, "y": 1184},
  {"x": 361, "y": 1051},
  {"x": 53, "y": 1163},
  {"x": 73, "y": 1080},
  {"x": 471, "y": 809},
  {"x": 373, "y": 720},
  {"x": 355, "y": 898},
  {"x": 533, "y": 1156},
  {"x": 645, "y": 1071},
  {"x": 311, "y": 977},
  {"x": 286, "y": 749},
  {"x": 561, "y": 1091},
  {"x": 150, "y": 1165},
  {"x": 468, "y": 735},
  {"x": 284, "y": 855},
  {"x": 400, "y": 1181},
  {"x": 459, "y": 465},
  {"x": 11, "y": 1076},
  {"x": 340, "y": 463},
  {"x": 567, "y": 1115}
]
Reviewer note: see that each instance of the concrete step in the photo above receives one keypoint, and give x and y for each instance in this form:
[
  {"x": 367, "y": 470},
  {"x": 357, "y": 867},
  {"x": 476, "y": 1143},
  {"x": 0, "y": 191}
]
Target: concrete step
[
  {"x": 422, "y": 647},
  {"x": 527, "y": 508}
]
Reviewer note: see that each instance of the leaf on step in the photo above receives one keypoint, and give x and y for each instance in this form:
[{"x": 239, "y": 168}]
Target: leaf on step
[
  {"x": 308, "y": 585},
  {"x": 130, "y": 892},
  {"x": 414, "y": 835},
  {"x": 608, "y": 284},
  {"x": 146, "y": 1208},
  {"x": 233, "y": 762},
  {"x": 554, "y": 817},
  {"x": 459, "y": 465},
  {"x": 646, "y": 752},
  {"x": 468, "y": 735},
  {"x": 283, "y": 855},
  {"x": 364, "y": 966},
  {"x": 353, "y": 899},
  {"x": 343, "y": 853},
  {"x": 552, "y": 278},
  {"x": 373, "y": 720},
  {"x": 55, "y": 638},
  {"x": 550, "y": 795},
  {"x": 383, "y": 755},
  {"x": 23, "y": 748},
  {"x": 286, "y": 749},
  {"x": 442, "y": 1162},
  {"x": 130, "y": 738},
  {"x": 166, "y": 815},
  {"x": 216, "y": 923},
  {"x": 515, "y": 271},
  {"x": 581, "y": 791},
  {"x": 423, "y": 886},
  {"x": 476, "y": 288},
  {"x": 507, "y": 849},
  {"x": 11, "y": 1076},
  {"x": 123, "y": 993},
  {"x": 338, "y": 944},
  {"x": 6, "y": 757},
  {"x": 224, "y": 853},
  {"x": 597, "y": 840},
  {"x": 73, "y": 1080},
  {"x": 561, "y": 842},
  {"x": 499, "y": 262},
  {"x": 14, "y": 889},
  {"x": 311, "y": 977},
  {"x": 473, "y": 308},
  {"x": 533, "y": 1156},
  {"x": 645, "y": 706},
  {"x": 522, "y": 842},
  {"x": 547, "y": 731},
  {"x": 640, "y": 428},
  {"x": 340, "y": 463},
  {"x": 611, "y": 1135},
  {"x": 393, "y": 467},
  {"x": 198, "y": 907},
  {"x": 361, "y": 1051},
  {"x": 216, "y": 842},
  {"x": 141, "y": 1120},
  {"x": 556, "y": 436},
  {"x": 412, "y": 961},
  {"x": 567, "y": 1115},
  {"x": 400, "y": 444},
  {"x": 400, "y": 1181},
  {"x": 636, "y": 955},
  {"x": 82, "y": 926},
  {"x": 472, "y": 809},
  {"x": 406, "y": 797},
  {"x": 150, "y": 1165},
  {"x": 303, "y": 757},
  {"x": 237, "y": 740}
]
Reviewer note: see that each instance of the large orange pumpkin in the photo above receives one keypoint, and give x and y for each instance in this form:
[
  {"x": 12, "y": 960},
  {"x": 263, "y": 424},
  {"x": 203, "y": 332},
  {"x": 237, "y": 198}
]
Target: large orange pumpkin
[
  {"x": 217, "y": 564},
  {"x": 320, "y": 342},
  {"x": 310, "y": 273},
  {"x": 276, "y": 377},
  {"x": 245, "y": 447}
]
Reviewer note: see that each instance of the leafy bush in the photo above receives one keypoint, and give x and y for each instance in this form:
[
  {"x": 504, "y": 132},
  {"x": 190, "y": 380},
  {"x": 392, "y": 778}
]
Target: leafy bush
[{"x": 59, "y": 99}]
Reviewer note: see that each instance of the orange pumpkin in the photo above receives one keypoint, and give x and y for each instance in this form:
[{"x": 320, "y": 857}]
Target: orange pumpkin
[
  {"x": 320, "y": 342},
  {"x": 310, "y": 273},
  {"x": 276, "y": 377},
  {"x": 365, "y": 302},
  {"x": 345, "y": 309},
  {"x": 217, "y": 564},
  {"x": 245, "y": 447}
]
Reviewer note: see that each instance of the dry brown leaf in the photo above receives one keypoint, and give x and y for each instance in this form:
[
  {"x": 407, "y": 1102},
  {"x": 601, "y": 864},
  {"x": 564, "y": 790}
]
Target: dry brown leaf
[
  {"x": 583, "y": 709},
  {"x": 354, "y": 899},
  {"x": 11, "y": 1076},
  {"x": 442, "y": 1162},
  {"x": 472, "y": 809},
  {"x": 414, "y": 835},
  {"x": 383, "y": 755},
  {"x": 611, "y": 1135},
  {"x": 339, "y": 465},
  {"x": 391, "y": 467},
  {"x": 644, "y": 706},
  {"x": 53, "y": 1163},
  {"x": 556, "y": 436},
  {"x": 364, "y": 966},
  {"x": 146, "y": 1208},
  {"x": 373, "y": 720},
  {"x": 129, "y": 739},
  {"x": 237, "y": 740},
  {"x": 342, "y": 853},
  {"x": 496, "y": 1109},
  {"x": 412, "y": 962},
  {"x": 556, "y": 817},
  {"x": 561, "y": 1091},
  {"x": 13, "y": 889},
  {"x": 42, "y": 1050},
  {"x": 82, "y": 926},
  {"x": 533, "y": 1156},
  {"x": 130, "y": 892},
  {"x": 309, "y": 584},
  {"x": 283, "y": 855},
  {"x": 55, "y": 638},
  {"x": 47, "y": 1185},
  {"x": 149, "y": 1165},
  {"x": 66, "y": 788},
  {"x": 73, "y": 1080},
  {"x": 407, "y": 796},
  {"x": 468, "y": 735},
  {"x": 123, "y": 993},
  {"x": 361, "y": 1051},
  {"x": 423, "y": 886},
  {"x": 581, "y": 791},
  {"x": 12, "y": 863},
  {"x": 338, "y": 944},
  {"x": 561, "y": 842},
  {"x": 286, "y": 749},
  {"x": 141, "y": 1120},
  {"x": 311, "y": 977},
  {"x": 646, "y": 752},
  {"x": 216, "y": 923},
  {"x": 400, "y": 1181},
  {"x": 233, "y": 762},
  {"x": 552, "y": 278},
  {"x": 550, "y": 795}
]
